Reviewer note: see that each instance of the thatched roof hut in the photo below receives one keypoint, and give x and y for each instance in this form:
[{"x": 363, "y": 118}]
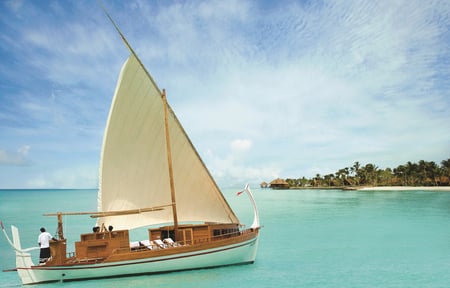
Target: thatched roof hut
[
  {"x": 264, "y": 184},
  {"x": 279, "y": 184}
]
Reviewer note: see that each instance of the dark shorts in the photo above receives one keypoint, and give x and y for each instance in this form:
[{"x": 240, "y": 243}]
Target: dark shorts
[{"x": 44, "y": 255}]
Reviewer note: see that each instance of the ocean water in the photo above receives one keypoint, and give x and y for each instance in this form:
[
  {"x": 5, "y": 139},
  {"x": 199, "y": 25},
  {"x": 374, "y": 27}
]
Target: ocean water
[{"x": 310, "y": 238}]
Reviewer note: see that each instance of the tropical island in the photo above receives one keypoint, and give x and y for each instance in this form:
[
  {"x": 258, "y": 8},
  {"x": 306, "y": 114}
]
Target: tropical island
[{"x": 421, "y": 174}]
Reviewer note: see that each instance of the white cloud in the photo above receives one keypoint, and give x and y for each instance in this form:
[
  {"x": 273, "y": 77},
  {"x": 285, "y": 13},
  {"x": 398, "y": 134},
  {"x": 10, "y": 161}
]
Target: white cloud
[
  {"x": 241, "y": 145},
  {"x": 234, "y": 168},
  {"x": 23, "y": 151},
  {"x": 73, "y": 177},
  {"x": 18, "y": 158}
]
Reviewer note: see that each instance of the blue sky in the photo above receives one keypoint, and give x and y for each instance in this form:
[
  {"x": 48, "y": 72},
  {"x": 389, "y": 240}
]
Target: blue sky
[{"x": 265, "y": 89}]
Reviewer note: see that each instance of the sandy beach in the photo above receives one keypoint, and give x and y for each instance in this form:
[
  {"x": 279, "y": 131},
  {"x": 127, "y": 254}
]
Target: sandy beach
[{"x": 407, "y": 188}]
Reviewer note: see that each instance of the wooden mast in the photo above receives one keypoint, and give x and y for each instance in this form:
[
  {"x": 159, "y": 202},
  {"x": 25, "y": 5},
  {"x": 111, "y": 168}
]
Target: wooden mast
[
  {"x": 169, "y": 160},
  {"x": 60, "y": 226}
]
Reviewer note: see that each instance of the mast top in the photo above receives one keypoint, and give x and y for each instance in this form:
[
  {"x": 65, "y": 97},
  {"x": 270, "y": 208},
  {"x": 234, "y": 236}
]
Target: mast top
[{"x": 125, "y": 41}]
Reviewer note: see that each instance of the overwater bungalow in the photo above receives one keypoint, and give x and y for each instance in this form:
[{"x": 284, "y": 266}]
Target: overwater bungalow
[{"x": 279, "y": 184}]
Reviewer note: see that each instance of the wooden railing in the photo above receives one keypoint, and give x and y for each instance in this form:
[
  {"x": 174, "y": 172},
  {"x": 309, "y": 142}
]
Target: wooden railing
[{"x": 185, "y": 243}]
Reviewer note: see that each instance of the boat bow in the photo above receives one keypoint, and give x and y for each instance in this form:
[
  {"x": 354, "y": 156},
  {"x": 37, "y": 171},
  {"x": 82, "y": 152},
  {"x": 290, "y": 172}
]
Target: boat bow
[
  {"x": 15, "y": 244},
  {"x": 249, "y": 193},
  {"x": 23, "y": 257}
]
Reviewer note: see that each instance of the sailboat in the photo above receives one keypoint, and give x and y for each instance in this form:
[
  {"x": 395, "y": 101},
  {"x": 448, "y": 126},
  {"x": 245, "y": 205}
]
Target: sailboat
[{"x": 151, "y": 176}]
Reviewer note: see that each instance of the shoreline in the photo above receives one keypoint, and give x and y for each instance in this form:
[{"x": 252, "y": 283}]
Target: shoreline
[
  {"x": 405, "y": 188},
  {"x": 378, "y": 188}
]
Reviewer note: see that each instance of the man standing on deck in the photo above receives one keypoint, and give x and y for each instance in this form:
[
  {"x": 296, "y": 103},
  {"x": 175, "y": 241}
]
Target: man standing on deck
[{"x": 44, "y": 242}]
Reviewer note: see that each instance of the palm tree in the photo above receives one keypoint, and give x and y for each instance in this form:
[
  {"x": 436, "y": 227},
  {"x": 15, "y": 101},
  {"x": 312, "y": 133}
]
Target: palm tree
[
  {"x": 432, "y": 173},
  {"x": 421, "y": 172},
  {"x": 341, "y": 175},
  {"x": 412, "y": 173},
  {"x": 445, "y": 166},
  {"x": 371, "y": 174},
  {"x": 400, "y": 173},
  {"x": 318, "y": 180},
  {"x": 328, "y": 178},
  {"x": 385, "y": 176},
  {"x": 355, "y": 168},
  {"x": 291, "y": 182}
]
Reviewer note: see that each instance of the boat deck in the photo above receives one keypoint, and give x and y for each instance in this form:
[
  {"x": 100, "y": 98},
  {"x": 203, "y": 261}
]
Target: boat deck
[{"x": 106, "y": 247}]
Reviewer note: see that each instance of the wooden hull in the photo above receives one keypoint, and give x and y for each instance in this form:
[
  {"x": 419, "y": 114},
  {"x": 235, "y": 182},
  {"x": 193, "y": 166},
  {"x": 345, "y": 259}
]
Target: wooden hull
[{"x": 239, "y": 250}]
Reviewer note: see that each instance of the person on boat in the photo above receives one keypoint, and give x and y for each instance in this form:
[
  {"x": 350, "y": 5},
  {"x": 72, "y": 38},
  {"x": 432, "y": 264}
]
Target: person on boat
[{"x": 44, "y": 242}]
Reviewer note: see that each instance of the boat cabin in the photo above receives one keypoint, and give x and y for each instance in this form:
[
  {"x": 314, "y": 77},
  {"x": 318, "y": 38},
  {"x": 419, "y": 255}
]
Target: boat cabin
[
  {"x": 195, "y": 233},
  {"x": 98, "y": 246}
]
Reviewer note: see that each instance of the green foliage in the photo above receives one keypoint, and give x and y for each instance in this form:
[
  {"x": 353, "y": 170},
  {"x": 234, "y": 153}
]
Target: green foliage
[{"x": 423, "y": 173}]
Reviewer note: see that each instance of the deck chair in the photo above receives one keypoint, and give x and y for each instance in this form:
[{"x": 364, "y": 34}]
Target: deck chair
[
  {"x": 147, "y": 243},
  {"x": 170, "y": 242},
  {"x": 134, "y": 245},
  {"x": 160, "y": 243}
]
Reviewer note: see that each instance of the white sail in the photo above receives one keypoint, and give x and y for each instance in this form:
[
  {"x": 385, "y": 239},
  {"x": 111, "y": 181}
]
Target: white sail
[{"x": 134, "y": 171}]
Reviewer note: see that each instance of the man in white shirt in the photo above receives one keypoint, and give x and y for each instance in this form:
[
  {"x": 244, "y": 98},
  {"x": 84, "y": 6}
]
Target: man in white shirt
[{"x": 44, "y": 242}]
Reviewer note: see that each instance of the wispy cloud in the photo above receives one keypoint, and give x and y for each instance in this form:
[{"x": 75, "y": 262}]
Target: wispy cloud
[
  {"x": 16, "y": 158},
  {"x": 72, "y": 177}
]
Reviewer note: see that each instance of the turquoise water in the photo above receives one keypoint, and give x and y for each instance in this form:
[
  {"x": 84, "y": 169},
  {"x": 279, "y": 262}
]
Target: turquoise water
[{"x": 311, "y": 238}]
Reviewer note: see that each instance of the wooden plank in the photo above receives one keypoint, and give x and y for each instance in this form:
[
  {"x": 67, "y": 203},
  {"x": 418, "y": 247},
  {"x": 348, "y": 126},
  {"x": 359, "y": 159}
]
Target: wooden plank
[
  {"x": 111, "y": 213},
  {"x": 148, "y": 254}
]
